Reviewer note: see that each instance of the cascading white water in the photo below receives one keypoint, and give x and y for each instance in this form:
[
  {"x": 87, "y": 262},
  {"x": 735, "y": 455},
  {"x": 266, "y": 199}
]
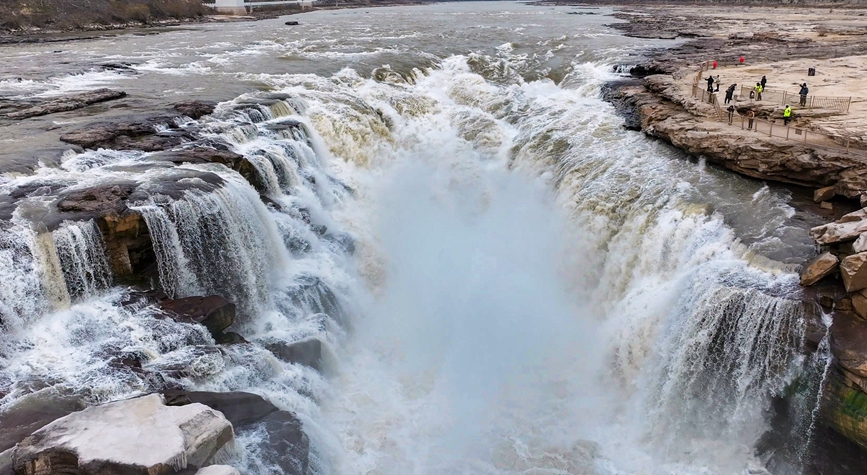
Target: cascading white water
[
  {"x": 82, "y": 256},
  {"x": 219, "y": 242}
]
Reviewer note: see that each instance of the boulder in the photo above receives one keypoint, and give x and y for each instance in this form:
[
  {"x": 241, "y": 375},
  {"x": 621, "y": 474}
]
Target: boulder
[
  {"x": 214, "y": 312},
  {"x": 307, "y": 352},
  {"x": 847, "y": 228},
  {"x": 826, "y": 205},
  {"x": 194, "y": 109},
  {"x": 854, "y": 271},
  {"x": 824, "y": 194},
  {"x": 819, "y": 268},
  {"x": 285, "y": 446},
  {"x": 239, "y": 408},
  {"x": 218, "y": 470},
  {"x": 67, "y": 103},
  {"x": 140, "y": 436},
  {"x": 860, "y": 244}
]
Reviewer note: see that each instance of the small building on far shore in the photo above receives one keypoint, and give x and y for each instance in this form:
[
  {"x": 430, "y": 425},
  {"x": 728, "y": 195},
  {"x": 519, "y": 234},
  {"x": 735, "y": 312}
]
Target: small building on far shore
[{"x": 241, "y": 7}]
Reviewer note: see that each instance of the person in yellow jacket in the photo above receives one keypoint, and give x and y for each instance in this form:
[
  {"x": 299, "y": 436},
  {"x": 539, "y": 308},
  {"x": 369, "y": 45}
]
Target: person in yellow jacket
[
  {"x": 787, "y": 115},
  {"x": 759, "y": 90}
]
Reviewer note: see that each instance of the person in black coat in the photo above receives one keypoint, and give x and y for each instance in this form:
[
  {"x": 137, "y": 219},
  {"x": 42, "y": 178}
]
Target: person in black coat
[{"x": 730, "y": 93}]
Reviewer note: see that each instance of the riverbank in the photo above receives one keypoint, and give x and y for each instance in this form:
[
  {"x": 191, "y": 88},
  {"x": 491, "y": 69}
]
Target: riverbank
[
  {"x": 665, "y": 99},
  {"x": 16, "y": 28}
]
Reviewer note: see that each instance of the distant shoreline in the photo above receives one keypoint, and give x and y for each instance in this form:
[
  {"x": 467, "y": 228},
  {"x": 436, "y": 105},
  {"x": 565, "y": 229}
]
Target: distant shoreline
[{"x": 97, "y": 30}]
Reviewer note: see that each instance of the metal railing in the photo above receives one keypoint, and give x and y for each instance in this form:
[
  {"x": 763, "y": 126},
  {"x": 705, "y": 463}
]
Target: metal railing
[
  {"x": 777, "y": 130},
  {"x": 774, "y": 96}
]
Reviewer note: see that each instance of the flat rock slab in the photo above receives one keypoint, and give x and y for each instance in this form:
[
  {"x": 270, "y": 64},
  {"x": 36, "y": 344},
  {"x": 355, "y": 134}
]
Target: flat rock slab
[
  {"x": 68, "y": 103},
  {"x": 140, "y": 436}
]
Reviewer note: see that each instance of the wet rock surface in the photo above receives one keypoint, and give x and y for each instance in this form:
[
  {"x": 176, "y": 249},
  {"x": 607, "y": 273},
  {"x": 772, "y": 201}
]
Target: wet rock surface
[
  {"x": 284, "y": 446},
  {"x": 67, "y": 103},
  {"x": 194, "y": 109},
  {"x": 214, "y": 312},
  {"x": 307, "y": 352}
]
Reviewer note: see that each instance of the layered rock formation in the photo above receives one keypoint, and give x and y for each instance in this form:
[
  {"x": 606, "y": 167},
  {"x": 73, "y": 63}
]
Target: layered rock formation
[{"x": 663, "y": 111}]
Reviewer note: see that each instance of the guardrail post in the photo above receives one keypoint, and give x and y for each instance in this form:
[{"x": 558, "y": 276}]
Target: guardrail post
[
  {"x": 787, "y": 132},
  {"x": 770, "y": 129},
  {"x": 805, "y": 135},
  {"x": 811, "y": 102},
  {"x": 848, "y": 103}
]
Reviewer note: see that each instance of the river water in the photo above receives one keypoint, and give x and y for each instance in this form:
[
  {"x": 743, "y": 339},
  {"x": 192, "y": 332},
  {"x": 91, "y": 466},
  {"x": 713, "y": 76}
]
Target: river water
[{"x": 507, "y": 280}]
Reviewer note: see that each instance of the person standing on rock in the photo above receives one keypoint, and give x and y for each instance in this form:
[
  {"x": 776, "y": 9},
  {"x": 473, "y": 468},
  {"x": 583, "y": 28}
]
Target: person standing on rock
[
  {"x": 710, "y": 84},
  {"x": 759, "y": 90},
  {"x": 803, "y": 93},
  {"x": 731, "y": 111},
  {"x": 787, "y": 115},
  {"x": 730, "y": 93},
  {"x": 763, "y": 82},
  {"x": 750, "y": 116}
]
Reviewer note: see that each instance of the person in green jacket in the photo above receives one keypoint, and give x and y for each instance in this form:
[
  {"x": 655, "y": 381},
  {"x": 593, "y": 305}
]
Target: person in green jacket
[{"x": 787, "y": 115}]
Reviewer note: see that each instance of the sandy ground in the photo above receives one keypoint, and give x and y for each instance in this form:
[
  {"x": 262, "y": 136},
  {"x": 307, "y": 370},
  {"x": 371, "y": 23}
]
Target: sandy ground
[
  {"x": 841, "y": 77},
  {"x": 844, "y": 76}
]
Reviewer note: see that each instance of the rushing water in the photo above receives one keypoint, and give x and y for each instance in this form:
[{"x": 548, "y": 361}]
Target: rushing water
[{"x": 505, "y": 279}]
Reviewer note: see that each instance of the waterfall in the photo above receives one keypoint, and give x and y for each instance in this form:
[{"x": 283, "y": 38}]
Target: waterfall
[
  {"x": 21, "y": 293},
  {"x": 221, "y": 242},
  {"x": 83, "y": 258},
  {"x": 501, "y": 278},
  {"x": 723, "y": 357}
]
